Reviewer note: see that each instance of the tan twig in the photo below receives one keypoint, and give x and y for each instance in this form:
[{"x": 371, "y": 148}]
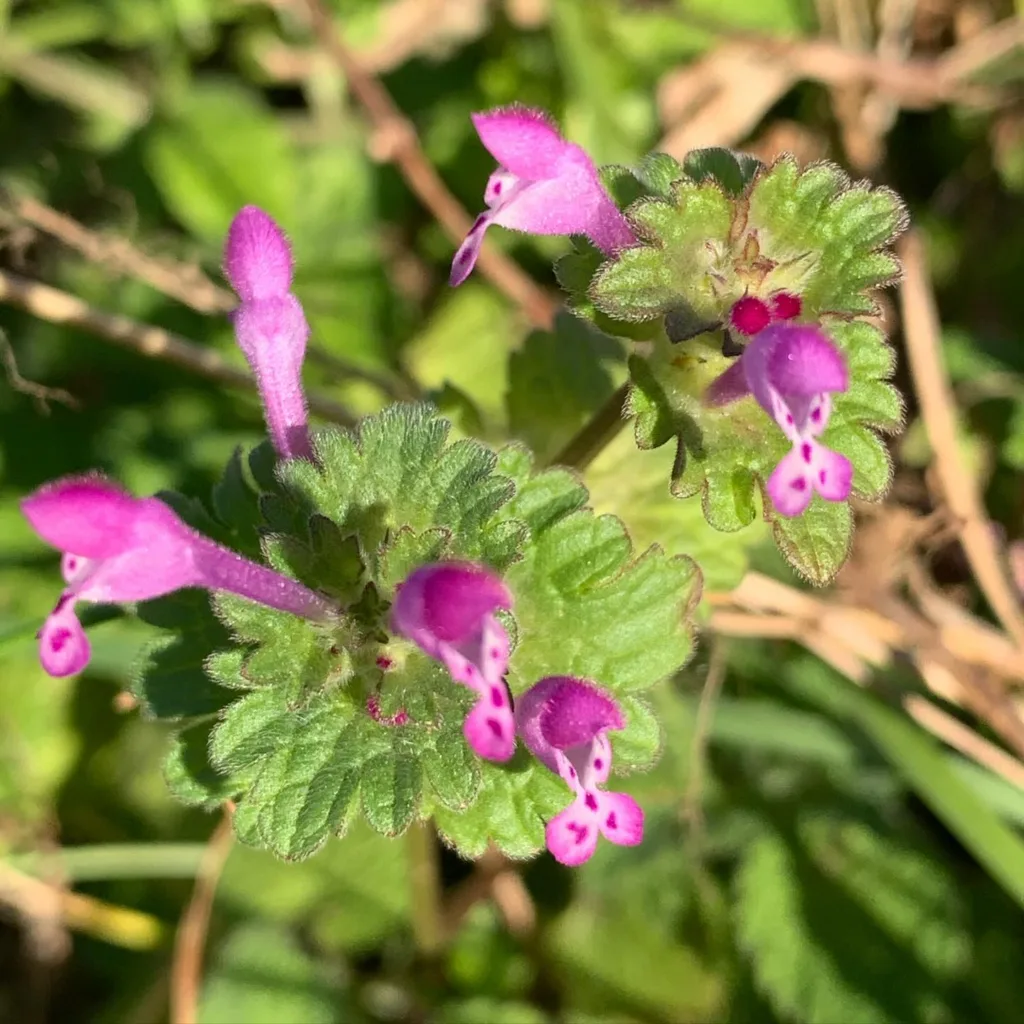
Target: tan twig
[
  {"x": 36, "y": 900},
  {"x": 396, "y": 141},
  {"x": 854, "y": 640},
  {"x": 713, "y": 101},
  {"x": 187, "y": 965},
  {"x": 959, "y": 736},
  {"x": 184, "y": 282},
  {"x": 62, "y": 308},
  {"x": 497, "y": 878},
  {"x": 42, "y": 394},
  {"x": 923, "y": 342}
]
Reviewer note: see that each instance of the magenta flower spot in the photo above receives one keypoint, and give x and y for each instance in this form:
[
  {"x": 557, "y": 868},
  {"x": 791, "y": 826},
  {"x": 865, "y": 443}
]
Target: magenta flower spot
[
  {"x": 447, "y": 610},
  {"x": 792, "y": 371},
  {"x": 116, "y": 548},
  {"x": 565, "y": 722},
  {"x": 270, "y": 326},
  {"x": 785, "y": 306},
  {"x": 750, "y": 315},
  {"x": 544, "y": 186}
]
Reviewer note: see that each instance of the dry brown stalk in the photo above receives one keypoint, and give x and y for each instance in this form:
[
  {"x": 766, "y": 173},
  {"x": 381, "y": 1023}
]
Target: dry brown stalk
[
  {"x": 190, "y": 941},
  {"x": 922, "y": 333},
  {"x": 184, "y": 282},
  {"x": 719, "y": 99},
  {"x": 495, "y": 877},
  {"x": 60, "y": 307}
]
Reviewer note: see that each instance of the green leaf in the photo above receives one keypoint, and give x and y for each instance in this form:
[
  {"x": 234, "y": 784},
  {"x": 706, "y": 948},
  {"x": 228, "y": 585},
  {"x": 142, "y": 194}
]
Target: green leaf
[
  {"x": 826, "y": 238},
  {"x": 484, "y": 331},
  {"x": 169, "y": 678},
  {"x": 918, "y": 759},
  {"x": 646, "y": 281},
  {"x": 190, "y": 776},
  {"x": 732, "y": 170},
  {"x": 575, "y": 271},
  {"x": 556, "y": 380},
  {"x": 843, "y": 924},
  {"x": 217, "y": 151},
  {"x": 318, "y": 724},
  {"x": 609, "y": 959},
  {"x": 262, "y": 976},
  {"x": 817, "y": 542}
]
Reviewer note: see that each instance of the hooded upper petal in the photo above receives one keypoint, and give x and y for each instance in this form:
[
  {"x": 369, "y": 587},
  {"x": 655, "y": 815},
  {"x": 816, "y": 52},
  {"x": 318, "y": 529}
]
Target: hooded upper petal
[
  {"x": 87, "y": 516},
  {"x": 575, "y": 712},
  {"x": 560, "y": 712},
  {"x": 447, "y": 610},
  {"x": 449, "y": 600},
  {"x": 526, "y": 142},
  {"x": 804, "y": 362},
  {"x": 257, "y": 257}
]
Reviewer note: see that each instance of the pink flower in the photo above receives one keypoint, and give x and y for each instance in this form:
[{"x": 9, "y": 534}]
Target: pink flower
[
  {"x": 792, "y": 370},
  {"x": 447, "y": 610},
  {"x": 270, "y": 326},
  {"x": 116, "y": 548},
  {"x": 544, "y": 186},
  {"x": 565, "y": 722}
]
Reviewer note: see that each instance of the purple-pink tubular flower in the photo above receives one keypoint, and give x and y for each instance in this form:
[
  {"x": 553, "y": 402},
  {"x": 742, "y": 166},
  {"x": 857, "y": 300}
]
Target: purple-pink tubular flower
[
  {"x": 792, "y": 370},
  {"x": 447, "y": 610},
  {"x": 269, "y": 324},
  {"x": 543, "y": 185},
  {"x": 565, "y": 722},
  {"x": 116, "y": 547}
]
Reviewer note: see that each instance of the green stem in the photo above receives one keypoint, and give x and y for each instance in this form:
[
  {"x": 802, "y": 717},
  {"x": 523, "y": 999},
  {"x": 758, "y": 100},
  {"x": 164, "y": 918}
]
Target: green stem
[
  {"x": 116, "y": 860},
  {"x": 597, "y": 433},
  {"x": 425, "y": 883}
]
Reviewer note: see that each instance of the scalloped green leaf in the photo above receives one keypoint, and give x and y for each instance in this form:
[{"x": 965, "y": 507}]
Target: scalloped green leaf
[
  {"x": 317, "y": 723},
  {"x": 191, "y": 777},
  {"x": 827, "y": 237},
  {"x": 678, "y": 265},
  {"x": 731, "y": 169}
]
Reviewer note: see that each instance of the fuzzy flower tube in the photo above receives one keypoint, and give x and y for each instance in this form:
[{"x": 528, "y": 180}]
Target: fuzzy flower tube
[
  {"x": 564, "y": 722},
  {"x": 544, "y": 185},
  {"x": 116, "y": 548},
  {"x": 447, "y": 610},
  {"x": 270, "y": 326},
  {"x": 792, "y": 370}
]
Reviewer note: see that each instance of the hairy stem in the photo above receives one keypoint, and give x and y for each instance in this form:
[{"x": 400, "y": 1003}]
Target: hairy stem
[
  {"x": 596, "y": 434},
  {"x": 425, "y": 885}
]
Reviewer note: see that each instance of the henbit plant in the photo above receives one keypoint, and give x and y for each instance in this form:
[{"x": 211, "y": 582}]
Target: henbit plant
[{"x": 402, "y": 610}]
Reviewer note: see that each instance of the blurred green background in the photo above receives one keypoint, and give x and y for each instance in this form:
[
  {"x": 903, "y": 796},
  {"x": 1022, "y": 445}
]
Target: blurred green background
[{"x": 799, "y": 869}]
